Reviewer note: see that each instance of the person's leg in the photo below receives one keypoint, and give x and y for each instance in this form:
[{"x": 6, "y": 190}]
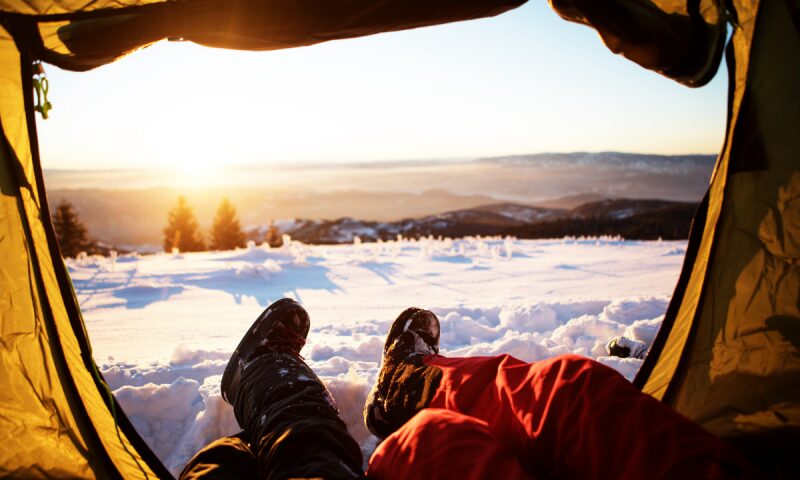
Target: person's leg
[
  {"x": 293, "y": 423},
  {"x": 289, "y": 418},
  {"x": 442, "y": 444},
  {"x": 567, "y": 413},
  {"x": 228, "y": 458}
]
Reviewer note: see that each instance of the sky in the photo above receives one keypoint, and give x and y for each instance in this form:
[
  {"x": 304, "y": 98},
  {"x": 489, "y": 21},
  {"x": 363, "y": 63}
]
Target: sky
[{"x": 523, "y": 82}]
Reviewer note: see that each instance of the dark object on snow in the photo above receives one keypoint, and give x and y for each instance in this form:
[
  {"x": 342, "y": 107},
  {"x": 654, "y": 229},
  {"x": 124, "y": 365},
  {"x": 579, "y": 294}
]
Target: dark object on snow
[
  {"x": 617, "y": 350},
  {"x": 624, "y": 347}
]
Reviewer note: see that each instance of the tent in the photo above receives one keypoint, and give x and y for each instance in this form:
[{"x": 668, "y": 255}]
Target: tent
[
  {"x": 727, "y": 355},
  {"x": 728, "y": 352}
]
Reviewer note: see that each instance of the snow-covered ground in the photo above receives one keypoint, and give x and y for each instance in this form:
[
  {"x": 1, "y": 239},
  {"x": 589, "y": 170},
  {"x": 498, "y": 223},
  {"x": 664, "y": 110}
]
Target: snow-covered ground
[{"x": 162, "y": 326}]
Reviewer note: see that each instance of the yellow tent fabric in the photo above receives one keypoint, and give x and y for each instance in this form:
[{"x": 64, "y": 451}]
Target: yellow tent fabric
[
  {"x": 728, "y": 353},
  {"x": 55, "y": 419}
]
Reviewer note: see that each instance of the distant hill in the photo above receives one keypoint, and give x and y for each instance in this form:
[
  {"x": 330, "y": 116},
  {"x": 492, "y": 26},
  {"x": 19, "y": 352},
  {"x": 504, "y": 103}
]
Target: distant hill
[
  {"x": 571, "y": 201},
  {"x": 664, "y": 164},
  {"x": 630, "y": 218}
]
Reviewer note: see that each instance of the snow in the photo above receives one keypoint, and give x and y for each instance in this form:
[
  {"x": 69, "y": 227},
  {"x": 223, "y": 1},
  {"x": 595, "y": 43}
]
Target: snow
[{"x": 163, "y": 326}]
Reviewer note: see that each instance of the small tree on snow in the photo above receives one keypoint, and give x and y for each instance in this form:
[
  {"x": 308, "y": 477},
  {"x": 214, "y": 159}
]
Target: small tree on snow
[
  {"x": 182, "y": 231},
  {"x": 273, "y": 236},
  {"x": 226, "y": 234},
  {"x": 70, "y": 231}
]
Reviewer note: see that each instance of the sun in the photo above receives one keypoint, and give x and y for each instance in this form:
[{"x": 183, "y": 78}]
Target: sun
[{"x": 188, "y": 146}]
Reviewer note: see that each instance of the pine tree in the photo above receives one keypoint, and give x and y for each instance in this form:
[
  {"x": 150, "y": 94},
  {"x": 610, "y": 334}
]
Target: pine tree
[
  {"x": 70, "y": 231},
  {"x": 226, "y": 234},
  {"x": 273, "y": 236},
  {"x": 182, "y": 230}
]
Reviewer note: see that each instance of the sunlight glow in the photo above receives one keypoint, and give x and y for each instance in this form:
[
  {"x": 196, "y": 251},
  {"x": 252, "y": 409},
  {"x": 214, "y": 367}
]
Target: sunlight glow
[{"x": 523, "y": 82}]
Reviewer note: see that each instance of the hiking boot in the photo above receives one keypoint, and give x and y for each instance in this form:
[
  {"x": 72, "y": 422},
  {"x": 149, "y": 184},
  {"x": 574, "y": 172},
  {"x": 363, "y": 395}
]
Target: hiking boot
[
  {"x": 415, "y": 331},
  {"x": 282, "y": 327},
  {"x": 288, "y": 415},
  {"x": 405, "y": 384}
]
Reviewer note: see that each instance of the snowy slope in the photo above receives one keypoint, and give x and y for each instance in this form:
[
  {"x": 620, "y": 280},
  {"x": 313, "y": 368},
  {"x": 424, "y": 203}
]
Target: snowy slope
[{"x": 162, "y": 326}]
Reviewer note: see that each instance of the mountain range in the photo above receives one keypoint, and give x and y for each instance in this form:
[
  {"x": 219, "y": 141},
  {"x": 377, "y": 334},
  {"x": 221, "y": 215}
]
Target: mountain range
[
  {"x": 630, "y": 218},
  {"x": 129, "y": 208}
]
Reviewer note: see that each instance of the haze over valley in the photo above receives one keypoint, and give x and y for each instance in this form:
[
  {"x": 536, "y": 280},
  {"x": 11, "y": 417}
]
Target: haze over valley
[{"x": 129, "y": 207}]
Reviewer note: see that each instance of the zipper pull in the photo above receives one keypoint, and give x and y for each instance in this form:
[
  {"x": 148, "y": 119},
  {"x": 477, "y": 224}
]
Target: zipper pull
[{"x": 41, "y": 87}]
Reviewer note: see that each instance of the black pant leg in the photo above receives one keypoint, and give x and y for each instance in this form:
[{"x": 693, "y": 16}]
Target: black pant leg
[
  {"x": 228, "y": 458},
  {"x": 293, "y": 422}
]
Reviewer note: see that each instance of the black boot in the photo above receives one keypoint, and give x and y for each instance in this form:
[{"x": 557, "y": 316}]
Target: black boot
[
  {"x": 405, "y": 384},
  {"x": 289, "y": 416},
  {"x": 283, "y": 326}
]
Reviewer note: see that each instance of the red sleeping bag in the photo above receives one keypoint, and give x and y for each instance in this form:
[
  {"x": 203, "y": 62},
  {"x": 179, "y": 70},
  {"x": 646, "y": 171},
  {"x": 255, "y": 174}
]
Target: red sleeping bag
[{"x": 565, "y": 417}]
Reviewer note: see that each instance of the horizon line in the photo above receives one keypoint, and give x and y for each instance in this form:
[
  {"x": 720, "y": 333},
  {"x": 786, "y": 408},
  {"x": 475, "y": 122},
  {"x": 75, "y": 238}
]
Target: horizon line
[{"x": 382, "y": 163}]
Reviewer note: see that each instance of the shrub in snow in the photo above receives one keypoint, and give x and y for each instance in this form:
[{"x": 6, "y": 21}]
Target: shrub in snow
[
  {"x": 425, "y": 251},
  {"x": 273, "y": 238},
  {"x": 508, "y": 247}
]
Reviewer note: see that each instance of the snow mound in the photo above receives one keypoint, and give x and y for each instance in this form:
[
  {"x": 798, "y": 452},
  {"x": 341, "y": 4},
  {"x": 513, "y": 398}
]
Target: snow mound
[
  {"x": 644, "y": 330},
  {"x": 531, "y": 318},
  {"x": 627, "y": 311}
]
